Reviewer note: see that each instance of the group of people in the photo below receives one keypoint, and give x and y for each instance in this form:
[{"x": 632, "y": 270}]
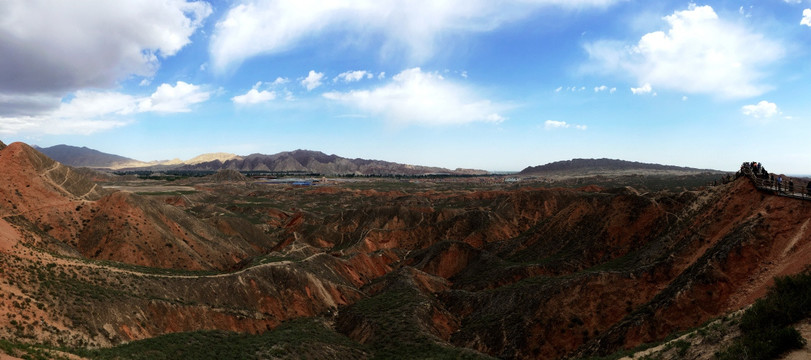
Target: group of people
[{"x": 776, "y": 182}]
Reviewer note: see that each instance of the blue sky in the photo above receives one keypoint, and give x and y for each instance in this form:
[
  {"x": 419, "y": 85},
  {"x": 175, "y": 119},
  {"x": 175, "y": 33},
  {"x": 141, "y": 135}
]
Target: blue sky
[{"x": 495, "y": 85}]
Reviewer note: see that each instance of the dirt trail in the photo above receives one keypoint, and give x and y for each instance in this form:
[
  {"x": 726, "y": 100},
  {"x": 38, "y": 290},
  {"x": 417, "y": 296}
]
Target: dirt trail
[{"x": 45, "y": 257}]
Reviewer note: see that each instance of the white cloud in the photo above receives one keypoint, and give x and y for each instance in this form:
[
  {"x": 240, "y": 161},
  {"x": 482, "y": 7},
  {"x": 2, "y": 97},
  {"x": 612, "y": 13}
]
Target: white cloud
[
  {"x": 280, "y": 81},
  {"x": 91, "y": 104},
  {"x": 382, "y": 75},
  {"x": 254, "y": 96},
  {"x": 793, "y": 1},
  {"x": 698, "y": 54},
  {"x": 554, "y": 124},
  {"x": 313, "y": 80},
  {"x": 411, "y": 29},
  {"x": 57, "y": 126},
  {"x": 806, "y": 18},
  {"x": 763, "y": 109},
  {"x": 173, "y": 99},
  {"x": 600, "y": 88},
  {"x": 559, "y": 89},
  {"x": 352, "y": 76},
  {"x": 86, "y": 112},
  {"x": 642, "y": 90},
  {"x": 425, "y": 98}
]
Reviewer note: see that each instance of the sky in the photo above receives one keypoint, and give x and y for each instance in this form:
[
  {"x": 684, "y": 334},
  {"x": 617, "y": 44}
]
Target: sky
[{"x": 488, "y": 84}]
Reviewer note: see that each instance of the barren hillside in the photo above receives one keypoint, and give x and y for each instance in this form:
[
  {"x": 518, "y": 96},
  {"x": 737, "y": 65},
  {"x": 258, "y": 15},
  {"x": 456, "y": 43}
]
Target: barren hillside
[{"x": 380, "y": 268}]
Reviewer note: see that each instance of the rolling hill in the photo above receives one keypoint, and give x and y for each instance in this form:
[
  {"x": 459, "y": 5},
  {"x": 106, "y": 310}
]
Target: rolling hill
[{"x": 582, "y": 166}]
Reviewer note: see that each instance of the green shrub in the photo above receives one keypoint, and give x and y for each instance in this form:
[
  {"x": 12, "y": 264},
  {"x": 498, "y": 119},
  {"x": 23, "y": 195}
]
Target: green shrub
[{"x": 766, "y": 326}]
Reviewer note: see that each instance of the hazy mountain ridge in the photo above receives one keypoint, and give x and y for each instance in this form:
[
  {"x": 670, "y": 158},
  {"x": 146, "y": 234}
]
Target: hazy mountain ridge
[{"x": 604, "y": 164}]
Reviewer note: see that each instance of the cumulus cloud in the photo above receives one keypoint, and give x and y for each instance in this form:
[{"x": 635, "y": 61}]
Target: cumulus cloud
[
  {"x": 554, "y": 124},
  {"x": 86, "y": 112},
  {"x": 642, "y": 90},
  {"x": 424, "y": 98},
  {"x": 254, "y": 96},
  {"x": 313, "y": 80},
  {"x": 412, "y": 29},
  {"x": 174, "y": 99},
  {"x": 806, "y": 20},
  {"x": 353, "y": 76},
  {"x": 698, "y": 54},
  {"x": 50, "y": 49},
  {"x": 763, "y": 109},
  {"x": 69, "y": 45}
]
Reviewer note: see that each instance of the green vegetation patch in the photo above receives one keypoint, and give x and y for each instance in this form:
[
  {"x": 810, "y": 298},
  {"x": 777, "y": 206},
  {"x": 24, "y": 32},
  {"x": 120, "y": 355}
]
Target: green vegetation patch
[
  {"x": 29, "y": 351},
  {"x": 306, "y": 338},
  {"x": 766, "y": 326},
  {"x": 393, "y": 318},
  {"x": 166, "y": 193}
]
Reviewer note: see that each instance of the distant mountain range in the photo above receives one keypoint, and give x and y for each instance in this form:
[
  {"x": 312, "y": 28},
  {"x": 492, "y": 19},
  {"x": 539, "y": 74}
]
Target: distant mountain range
[
  {"x": 598, "y": 165},
  {"x": 290, "y": 161},
  {"x": 307, "y": 161},
  {"x": 318, "y": 162}
]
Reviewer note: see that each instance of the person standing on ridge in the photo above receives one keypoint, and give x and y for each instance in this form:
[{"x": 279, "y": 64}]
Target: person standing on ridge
[{"x": 779, "y": 183}]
